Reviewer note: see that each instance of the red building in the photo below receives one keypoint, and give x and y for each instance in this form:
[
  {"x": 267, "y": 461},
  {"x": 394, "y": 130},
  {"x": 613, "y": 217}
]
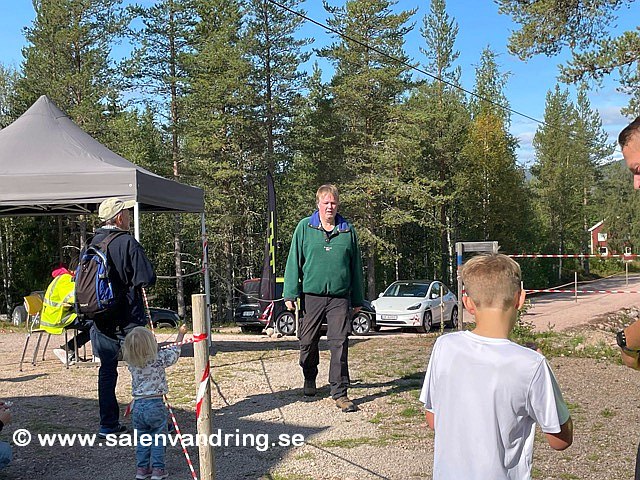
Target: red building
[{"x": 599, "y": 241}]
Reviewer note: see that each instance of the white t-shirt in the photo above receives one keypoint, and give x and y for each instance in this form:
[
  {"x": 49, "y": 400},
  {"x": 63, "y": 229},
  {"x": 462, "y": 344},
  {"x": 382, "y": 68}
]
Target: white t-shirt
[{"x": 486, "y": 395}]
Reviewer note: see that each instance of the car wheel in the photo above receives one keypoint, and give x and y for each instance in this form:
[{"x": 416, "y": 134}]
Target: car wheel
[
  {"x": 453, "y": 323},
  {"x": 426, "y": 323},
  {"x": 286, "y": 324},
  {"x": 19, "y": 315},
  {"x": 361, "y": 324}
]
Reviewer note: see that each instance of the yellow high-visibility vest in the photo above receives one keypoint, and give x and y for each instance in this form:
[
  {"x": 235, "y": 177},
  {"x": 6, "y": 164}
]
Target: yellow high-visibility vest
[{"x": 57, "y": 307}]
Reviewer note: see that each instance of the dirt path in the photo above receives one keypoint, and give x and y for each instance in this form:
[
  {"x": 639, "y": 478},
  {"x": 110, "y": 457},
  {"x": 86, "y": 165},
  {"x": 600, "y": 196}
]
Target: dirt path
[
  {"x": 256, "y": 389},
  {"x": 560, "y": 310}
]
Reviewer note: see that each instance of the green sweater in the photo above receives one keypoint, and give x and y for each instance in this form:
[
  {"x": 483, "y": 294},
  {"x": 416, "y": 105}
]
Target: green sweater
[{"x": 324, "y": 264}]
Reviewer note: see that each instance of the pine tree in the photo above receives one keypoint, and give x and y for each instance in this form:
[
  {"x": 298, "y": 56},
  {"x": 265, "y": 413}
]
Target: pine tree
[
  {"x": 67, "y": 58},
  {"x": 366, "y": 90},
  {"x": 277, "y": 78},
  {"x": 438, "y": 110},
  {"x": 494, "y": 201},
  {"x": 220, "y": 143},
  {"x": 157, "y": 68}
]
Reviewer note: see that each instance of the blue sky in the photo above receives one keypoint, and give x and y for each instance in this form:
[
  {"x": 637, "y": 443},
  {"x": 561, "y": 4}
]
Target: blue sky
[{"x": 480, "y": 26}]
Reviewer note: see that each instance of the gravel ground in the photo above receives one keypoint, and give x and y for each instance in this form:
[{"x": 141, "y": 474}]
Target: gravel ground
[{"x": 256, "y": 389}]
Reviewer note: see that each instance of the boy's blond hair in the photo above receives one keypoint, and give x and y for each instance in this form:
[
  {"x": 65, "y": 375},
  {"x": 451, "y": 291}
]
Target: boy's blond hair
[
  {"x": 326, "y": 189},
  {"x": 140, "y": 347},
  {"x": 492, "y": 280}
]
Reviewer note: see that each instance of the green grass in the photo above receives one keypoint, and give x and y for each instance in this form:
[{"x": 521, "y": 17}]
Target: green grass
[
  {"x": 607, "y": 413},
  {"x": 411, "y": 412},
  {"x": 283, "y": 476},
  {"x": 379, "y": 441}
]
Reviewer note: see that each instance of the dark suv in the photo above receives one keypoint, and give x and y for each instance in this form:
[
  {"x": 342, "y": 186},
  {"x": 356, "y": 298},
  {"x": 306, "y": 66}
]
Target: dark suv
[{"x": 249, "y": 312}]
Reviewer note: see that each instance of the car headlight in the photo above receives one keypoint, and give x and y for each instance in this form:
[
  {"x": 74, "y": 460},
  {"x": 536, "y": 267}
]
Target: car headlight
[{"x": 414, "y": 307}]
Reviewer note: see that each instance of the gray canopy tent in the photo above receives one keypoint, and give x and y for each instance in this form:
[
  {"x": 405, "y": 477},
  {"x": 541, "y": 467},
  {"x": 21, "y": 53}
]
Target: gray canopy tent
[{"x": 50, "y": 166}]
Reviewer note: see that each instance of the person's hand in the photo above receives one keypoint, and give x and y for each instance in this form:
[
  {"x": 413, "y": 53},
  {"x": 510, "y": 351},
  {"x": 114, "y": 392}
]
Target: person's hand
[
  {"x": 290, "y": 305},
  {"x": 356, "y": 310},
  {"x": 5, "y": 416}
]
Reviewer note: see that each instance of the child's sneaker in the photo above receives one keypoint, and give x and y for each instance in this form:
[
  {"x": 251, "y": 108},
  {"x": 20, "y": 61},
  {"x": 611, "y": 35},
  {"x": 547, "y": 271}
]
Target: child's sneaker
[
  {"x": 142, "y": 473},
  {"x": 159, "y": 474}
]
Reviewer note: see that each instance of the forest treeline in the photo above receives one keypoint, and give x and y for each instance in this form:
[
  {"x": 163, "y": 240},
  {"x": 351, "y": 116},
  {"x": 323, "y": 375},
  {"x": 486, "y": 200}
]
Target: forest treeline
[{"x": 215, "y": 93}]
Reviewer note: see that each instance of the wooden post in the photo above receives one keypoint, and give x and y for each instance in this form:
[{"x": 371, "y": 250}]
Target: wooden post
[
  {"x": 576, "y": 284},
  {"x": 201, "y": 360}
]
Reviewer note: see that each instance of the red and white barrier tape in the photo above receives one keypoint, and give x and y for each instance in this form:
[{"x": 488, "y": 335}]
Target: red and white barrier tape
[
  {"x": 267, "y": 314},
  {"x": 146, "y": 306},
  {"x": 196, "y": 338},
  {"x": 570, "y": 255},
  {"x": 184, "y": 448},
  {"x": 202, "y": 389},
  {"x": 555, "y": 290}
]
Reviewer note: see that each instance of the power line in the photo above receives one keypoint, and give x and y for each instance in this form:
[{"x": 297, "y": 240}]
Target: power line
[{"x": 413, "y": 67}]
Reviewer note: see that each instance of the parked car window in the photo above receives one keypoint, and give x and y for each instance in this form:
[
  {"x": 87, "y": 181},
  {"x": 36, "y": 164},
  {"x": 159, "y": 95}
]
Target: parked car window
[
  {"x": 444, "y": 288},
  {"x": 407, "y": 290},
  {"x": 435, "y": 290}
]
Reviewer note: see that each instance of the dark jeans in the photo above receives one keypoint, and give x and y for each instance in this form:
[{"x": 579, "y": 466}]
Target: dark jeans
[
  {"x": 336, "y": 311},
  {"x": 637, "y": 474},
  {"x": 108, "y": 349},
  {"x": 83, "y": 335}
]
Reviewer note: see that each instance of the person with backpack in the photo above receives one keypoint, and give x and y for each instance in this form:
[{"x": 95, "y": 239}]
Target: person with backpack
[{"x": 113, "y": 301}]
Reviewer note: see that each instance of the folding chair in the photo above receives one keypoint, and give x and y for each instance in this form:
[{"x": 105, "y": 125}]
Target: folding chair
[{"x": 33, "y": 306}]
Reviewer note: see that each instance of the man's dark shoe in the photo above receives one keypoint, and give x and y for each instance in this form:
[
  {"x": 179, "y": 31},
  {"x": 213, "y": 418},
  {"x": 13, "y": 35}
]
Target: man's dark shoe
[
  {"x": 117, "y": 430},
  {"x": 309, "y": 389},
  {"x": 346, "y": 405}
]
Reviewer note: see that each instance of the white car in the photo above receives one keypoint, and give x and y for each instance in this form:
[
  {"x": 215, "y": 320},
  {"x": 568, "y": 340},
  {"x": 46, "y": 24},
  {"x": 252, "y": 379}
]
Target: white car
[{"x": 419, "y": 304}]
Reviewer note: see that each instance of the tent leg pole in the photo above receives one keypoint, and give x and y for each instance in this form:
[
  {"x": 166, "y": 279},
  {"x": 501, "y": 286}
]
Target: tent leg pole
[
  {"x": 205, "y": 268},
  {"x": 136, "y": 221}
]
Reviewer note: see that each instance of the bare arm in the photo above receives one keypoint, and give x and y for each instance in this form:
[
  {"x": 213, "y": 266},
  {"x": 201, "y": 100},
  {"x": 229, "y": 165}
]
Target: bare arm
[
  {"x": 431, "y": 420},
  {"x": 562, "y": 440}
]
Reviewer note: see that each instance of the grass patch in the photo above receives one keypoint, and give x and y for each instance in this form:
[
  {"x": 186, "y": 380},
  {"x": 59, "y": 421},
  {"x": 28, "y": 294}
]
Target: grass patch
[
  {"x": 377, "y": 419},
  {"x": 284, "y": 476},
  {"x": 411, "y": 412},
  {"x": 607, "y": 413},
  {"x": 380, "y": 441},
  {"x": 305, "y": 456}
]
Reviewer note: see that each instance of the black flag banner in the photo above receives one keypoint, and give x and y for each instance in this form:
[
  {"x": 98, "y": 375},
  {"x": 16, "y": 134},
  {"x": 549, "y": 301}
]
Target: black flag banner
[{"x": 268, "y": 278}]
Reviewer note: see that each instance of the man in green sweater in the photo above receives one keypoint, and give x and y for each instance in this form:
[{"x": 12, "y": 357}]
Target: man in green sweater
[{"x": 324, "y": 269}]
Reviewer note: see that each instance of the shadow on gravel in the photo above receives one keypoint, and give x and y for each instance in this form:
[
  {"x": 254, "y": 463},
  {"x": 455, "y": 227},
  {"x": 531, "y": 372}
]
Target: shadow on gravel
[
  {"x": 266, "y": 345},
  {"x": 399, "y": 385},
  {"x": 241, "y": 463},
  {"x": 25, "y": 378},
  {"x": 244, "y": 448}
]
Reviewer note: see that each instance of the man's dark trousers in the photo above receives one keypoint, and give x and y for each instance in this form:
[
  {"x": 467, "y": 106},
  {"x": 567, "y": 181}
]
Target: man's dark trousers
[
  {"x": 108, "y": 350},
  {"x": 336, "y": 311}
]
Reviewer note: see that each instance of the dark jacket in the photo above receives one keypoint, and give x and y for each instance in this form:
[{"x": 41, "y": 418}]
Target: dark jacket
[
  {"x": 322, "y": 263},
  {"x": 129, "y": 271}
]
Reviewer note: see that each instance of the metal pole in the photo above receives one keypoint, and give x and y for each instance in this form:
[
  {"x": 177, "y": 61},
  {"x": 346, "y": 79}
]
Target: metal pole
[
  {"x": 207, "y": 284},
  {"x": 201, "y": 361},
  {"x": 626, "y": 272},
  {"x": 459, "y": 249},
  {"x": 136, "y": 221},
  {"x": 576, "y": 284}
]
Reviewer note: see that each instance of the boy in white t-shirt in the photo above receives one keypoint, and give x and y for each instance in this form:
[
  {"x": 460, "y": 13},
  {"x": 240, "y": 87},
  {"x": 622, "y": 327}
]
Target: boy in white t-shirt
[{"x": 483, "y": 393}]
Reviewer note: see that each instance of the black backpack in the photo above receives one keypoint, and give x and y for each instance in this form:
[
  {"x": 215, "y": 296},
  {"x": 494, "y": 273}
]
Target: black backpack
[{"x": 94, "y": 292}]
